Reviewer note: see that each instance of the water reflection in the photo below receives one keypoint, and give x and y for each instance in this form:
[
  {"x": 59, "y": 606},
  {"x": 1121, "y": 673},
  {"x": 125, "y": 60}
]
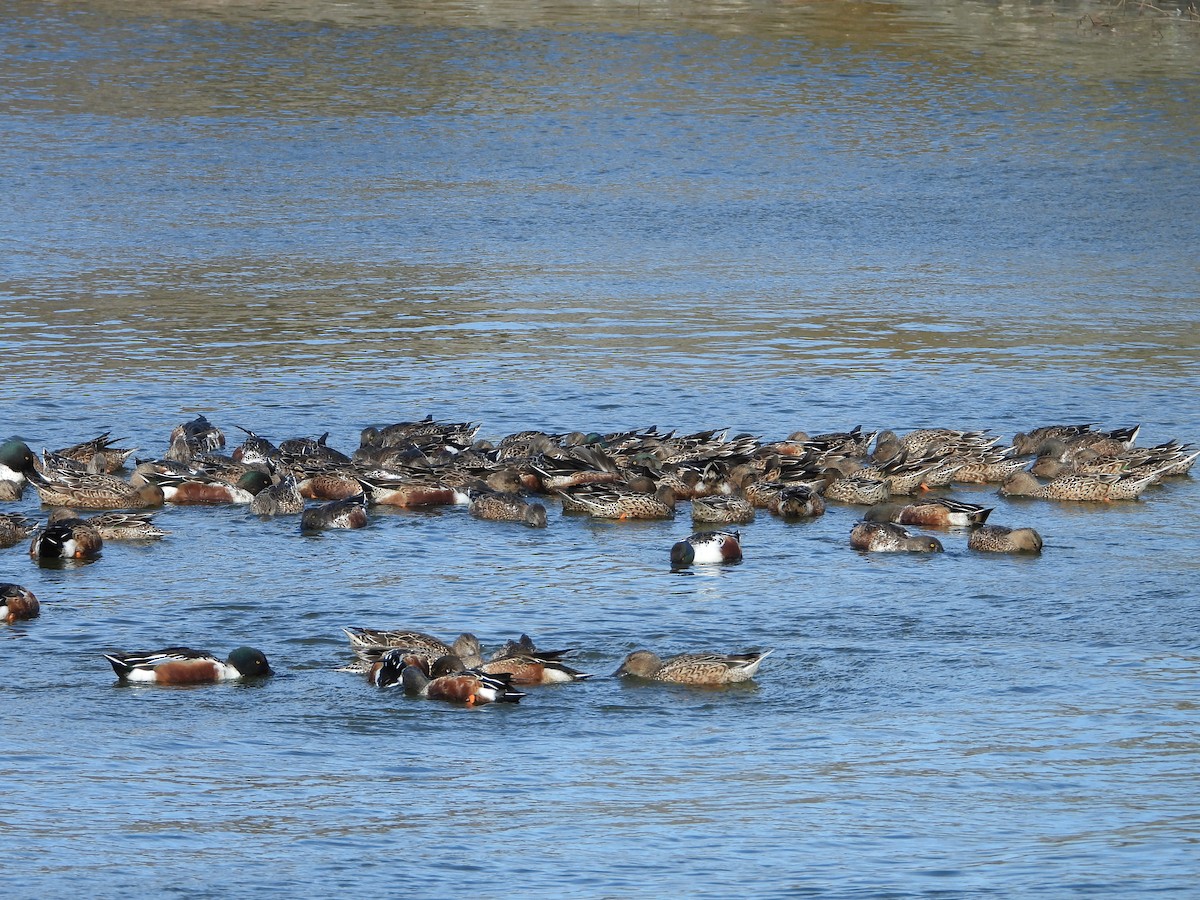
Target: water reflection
[{"x": 301, "y": 216}]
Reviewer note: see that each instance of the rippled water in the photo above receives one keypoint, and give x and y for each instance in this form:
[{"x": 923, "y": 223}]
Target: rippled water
[{"x": 308, "y": 217}]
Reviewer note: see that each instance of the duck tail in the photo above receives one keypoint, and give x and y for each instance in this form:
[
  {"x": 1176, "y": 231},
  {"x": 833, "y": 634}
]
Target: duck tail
[{"x": 120, "y": 666}]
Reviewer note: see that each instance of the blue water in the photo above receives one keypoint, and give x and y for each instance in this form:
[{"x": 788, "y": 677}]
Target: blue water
[{"x": 302, "y": 217}]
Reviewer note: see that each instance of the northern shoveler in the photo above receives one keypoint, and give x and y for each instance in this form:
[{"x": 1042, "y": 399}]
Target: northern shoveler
[
  {"x": 125, "y": 526},
  {"x": 1106, "y": 443},
  {"x": 720, "y": 509},
  {"x": 529, "y": 666},
  {"x": 448, "y": 680},
  {"x": 1033, "y": 440},
  {"x": 707, "y": 547},
  {"x": 281, "y": 499},
  {"x": 942, "y": 512},
  {"x": 999, "y": 539},
  {"x": 502, "y": 506},
  {"x": 255, "y": 450},
  {"x": 797, "y": 502},
  {"x": 888, "y": 537},
  {"x": 95, "y": 492},
  {"x": 387, "y": 670},
  {"x": 307, "y": 450},
  {"x": 327, "y": 482},
  {"x": 14, "y": 528},
  {"x": 182, "y": 665},
  {"x": 197, "y": 487},
  {"x": 693, "y": 668},
  {"x": 625, "y": 505},
  {"x": 852, "y": 443},
  {"x": 396, "y": 434},
  {"x": 858, "y": 490},
  {"x": 907, "y": 473},
  {"x": 348, "y": 513},
  {"x": 990, "y": 466},
  {"x": 1057, "y": 461},
  {"x": 1131, "y": 486},
  {"x": 200, "y": 435},
  {"x": 370, "y": 643},
  {"x": 576, "y": 467},
  {"x": 16, "y": 462},
  {"x": 931, "y": 441},
  {"x": 1065, "y": 487},
  {"x": 17, "y": 603},
  {"x": 66, "y": 537},
  {"x": 408, "y": 491},
  {"x": 98, "y": 454}
]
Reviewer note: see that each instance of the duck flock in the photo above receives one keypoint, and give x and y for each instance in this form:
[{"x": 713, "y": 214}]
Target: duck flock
[{"x": 638, "y": 474}]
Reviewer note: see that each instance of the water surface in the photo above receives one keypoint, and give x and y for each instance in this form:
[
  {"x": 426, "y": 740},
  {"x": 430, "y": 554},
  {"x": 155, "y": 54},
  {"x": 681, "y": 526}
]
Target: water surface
[{"x": 308, "y": 217}]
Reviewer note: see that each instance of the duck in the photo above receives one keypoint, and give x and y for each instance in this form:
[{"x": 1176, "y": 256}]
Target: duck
[
  {"x": 182, "y": 665},
  {"x": 54, "y": 465},
  {"x": 853, "y": 443},
  {"x": 325, "y": 482},
  {"x": 281, "y": 499},
  {"x": 386, "y": 671},
  {"x": 371, "y": 643},
  {"x": 66, "y": 537},
  {"x": 408, "y": 491},
  {"x": 185, "y": 489},
  {"x": 399, "y": 433},
  {"x": 942, "y": 512},
  {"x": 908, "y": 473},
  {"x": 991, "y": 466},
  {"x": 17, "y": 462},
  {"x": 858, "y": 490},
  {"x": 1106, "y": 443},
  {"x": 574, "y": 468},
  {"x": 95, "y": 491},
  {"x": 721, "y": 509},
  {"x": 1094, "y": 488},
  {"x": 1001, "y": 539},
  {"x": 200, "y": 435},
  {"x": 796, "y": 501},
  {"x": 1056, "y": 460},
  {"x": 505, "y": 506},
  {"x": 99, "y": 454},
  {"x": 254, "y": 450},
  {"x": 348, "y": 513},
  {"x": 761, "y": 493},
  {"x": 450, "y": 681},
  {"x": 1032, "y": 441},
  {"x": 693, "y": 668},
  {"x": 533, "y": 668},
  {"x": 306, "y": 450},
  {"x": 890, "y": 537},
  {"x": 14, "y": 528},
  {"x": 17, "y": 603},
  {"x": 931, "y": 441},
  {"x": 123, "y": 526},
  {"x": 627, "y": 505},
  {"x": 707, "y": 547},
  {"x": 527, "y": 665}
]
